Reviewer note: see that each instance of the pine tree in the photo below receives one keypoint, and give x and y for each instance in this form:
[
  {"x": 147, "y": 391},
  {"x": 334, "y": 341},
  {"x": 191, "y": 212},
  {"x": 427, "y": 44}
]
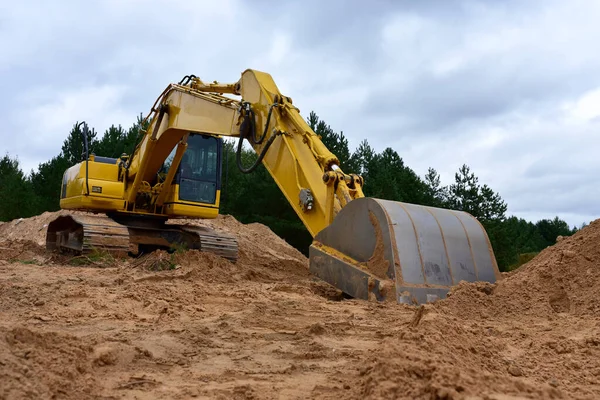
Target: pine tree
[
  {"x": 491, "y": 207},
  {"x": 480, "y": 201},
  {"x": 335, "y": 142},
  {"x": 361, "y": 157},
  {"x": 550, "y": 229},
  {"x": 46, "y": 183},
  {"x": 16, "y": 195},
  {"x": 256, "y": 198},
  {"x": 73, "y": 147},
  {"x": 436, "y": 194},
  {"x": 112, "y": 143},
  {"x": 387, "y": 177}
]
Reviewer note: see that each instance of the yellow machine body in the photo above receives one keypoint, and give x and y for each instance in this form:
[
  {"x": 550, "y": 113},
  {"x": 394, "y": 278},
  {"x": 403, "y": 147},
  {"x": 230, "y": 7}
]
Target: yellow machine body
[{"x": 107, "y": 193}]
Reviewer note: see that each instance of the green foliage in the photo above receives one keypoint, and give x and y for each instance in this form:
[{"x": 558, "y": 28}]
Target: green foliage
[
  {"x": 46, "y": 183},
  {"x": 43, "y": 186},
  {"x": 387, "y": 177},
  {"x": 178, "y": 248},
  {"x": 73, "y": 147},
  {"x": 335, "y": 142},
  {"x": 522, "y": 260},
  {"x": 97, "y": 257},
  {"x": 112, "y": 143},
  {"x": 28, "y": 262},
  {"x": 16, "y": 193},
  {"x": 116, "y": 141},
  {"x": 480, "y": 201},
  {"x": 436, "y": 195},
  {"x": 512, "y": 237},
  {"x": 551, "y": 229},
  {"x": 361, "y": 157}
]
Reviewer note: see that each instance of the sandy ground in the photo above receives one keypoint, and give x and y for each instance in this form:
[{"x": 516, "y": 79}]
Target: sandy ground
[{"x": 265, "y": 329}]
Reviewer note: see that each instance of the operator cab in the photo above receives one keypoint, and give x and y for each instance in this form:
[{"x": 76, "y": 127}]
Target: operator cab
[{"x": 199, "y": 172}]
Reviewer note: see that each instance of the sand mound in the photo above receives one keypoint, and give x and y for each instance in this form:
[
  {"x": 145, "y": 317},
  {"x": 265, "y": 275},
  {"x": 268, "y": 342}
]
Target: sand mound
[
  {"x": 22, "y": 250},
  {"x": 263, "y": 256},
  {"x": 257, "y": 242},
  {"x": 441, "y": 358},
  {"x": 258, "y": 245},
  {"x": 33, "y": 229},
  {"x": 193, "y": 325},
  {"x": 43, "y": 365},
  {"x": 209, "y": 268},
  {"x": 193, "y": 264},
  {"x": 563, "y": 278}
]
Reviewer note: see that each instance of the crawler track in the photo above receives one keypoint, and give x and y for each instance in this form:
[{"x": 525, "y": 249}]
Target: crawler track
[{"x": 87, "y": 233}]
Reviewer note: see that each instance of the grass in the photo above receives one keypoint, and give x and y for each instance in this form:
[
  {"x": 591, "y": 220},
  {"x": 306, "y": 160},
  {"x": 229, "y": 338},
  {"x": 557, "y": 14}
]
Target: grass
[
  {"x": 98, "y": 257},
  {"x": 102, "y": 258},
  {"x": 178, "y": 248},
  {"x": 28, "y": 262}
]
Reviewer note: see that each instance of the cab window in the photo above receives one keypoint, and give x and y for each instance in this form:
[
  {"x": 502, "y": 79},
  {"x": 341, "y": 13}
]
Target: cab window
[{"x": 199, "y": 170}]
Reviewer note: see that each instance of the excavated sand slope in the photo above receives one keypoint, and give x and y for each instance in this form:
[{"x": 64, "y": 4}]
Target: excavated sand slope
[{"x": 264, "y": 328}]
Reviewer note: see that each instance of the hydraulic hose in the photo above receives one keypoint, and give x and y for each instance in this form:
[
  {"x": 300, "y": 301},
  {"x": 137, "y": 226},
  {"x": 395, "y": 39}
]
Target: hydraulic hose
[
  {"x": 249, "y": 123},
  {"x": 238, "y": 154},
  {"x": 248, "y": 131},
  {"x": 186, "y": 79}
]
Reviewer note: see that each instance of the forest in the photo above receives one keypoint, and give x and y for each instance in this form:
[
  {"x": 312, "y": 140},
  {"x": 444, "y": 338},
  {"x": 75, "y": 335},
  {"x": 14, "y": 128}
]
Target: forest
[{"x": 256, "y": 198}]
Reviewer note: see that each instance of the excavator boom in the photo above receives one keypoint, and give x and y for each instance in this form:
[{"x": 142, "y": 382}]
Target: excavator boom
[{"x": 369, "y": 248}]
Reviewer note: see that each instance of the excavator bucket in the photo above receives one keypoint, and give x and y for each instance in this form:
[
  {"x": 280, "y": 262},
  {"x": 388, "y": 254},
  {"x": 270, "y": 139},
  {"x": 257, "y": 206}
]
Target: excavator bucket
[{"x": 385, "y": 250}]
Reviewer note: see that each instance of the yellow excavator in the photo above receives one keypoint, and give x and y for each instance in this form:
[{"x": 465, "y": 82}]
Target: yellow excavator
[{"x": 368, "y": 248}]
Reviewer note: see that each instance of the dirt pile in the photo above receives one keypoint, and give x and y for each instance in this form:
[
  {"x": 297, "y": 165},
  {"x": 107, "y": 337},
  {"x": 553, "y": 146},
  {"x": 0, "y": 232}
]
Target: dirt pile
[
  {"x": 535, "y": 334},
  {"x": 22, "y": 249},
  {"x": 194, "y": 325},
  {"x": 263, "y": 256},
  {"x": 33, "y": 229},
  {"x": 443, "y": 358},
  {"x": 563, "y": 278},
  {"x": 192, "y": 264},
  {"x": 40, "y": 365},
  {"x": 258, "y": 245}
]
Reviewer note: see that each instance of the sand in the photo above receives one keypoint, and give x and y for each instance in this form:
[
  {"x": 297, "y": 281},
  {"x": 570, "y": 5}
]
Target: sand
[{"x": 264, "y": 328}]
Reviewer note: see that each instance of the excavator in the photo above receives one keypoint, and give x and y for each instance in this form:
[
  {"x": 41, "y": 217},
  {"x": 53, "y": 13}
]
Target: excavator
[{"x": 369, "y": 248}]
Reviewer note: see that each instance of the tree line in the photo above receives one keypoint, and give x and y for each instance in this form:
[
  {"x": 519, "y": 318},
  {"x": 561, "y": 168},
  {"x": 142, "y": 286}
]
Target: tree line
[{"x": 386, "y": 177}]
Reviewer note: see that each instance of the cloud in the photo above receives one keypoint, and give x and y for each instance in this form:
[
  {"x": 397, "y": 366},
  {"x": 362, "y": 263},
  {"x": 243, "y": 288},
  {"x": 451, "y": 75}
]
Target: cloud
[
  {"x": 510, "y": 88},
  {"x": 495, "y": 60},
  {"x": 47, "y": 113}
]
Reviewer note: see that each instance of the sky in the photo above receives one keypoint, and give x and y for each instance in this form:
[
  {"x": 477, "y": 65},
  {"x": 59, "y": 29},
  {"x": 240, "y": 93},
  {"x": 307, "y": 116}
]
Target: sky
[{"x": 510, "y": 88}]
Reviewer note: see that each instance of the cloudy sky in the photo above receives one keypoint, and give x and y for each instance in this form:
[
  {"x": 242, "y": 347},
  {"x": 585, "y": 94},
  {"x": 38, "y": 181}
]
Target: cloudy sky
[{"x": 511, "y": 88}]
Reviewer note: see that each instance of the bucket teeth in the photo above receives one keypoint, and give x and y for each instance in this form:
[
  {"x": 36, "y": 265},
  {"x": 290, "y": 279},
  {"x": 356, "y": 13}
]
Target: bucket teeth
[{"x": 385, "y": 250}]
